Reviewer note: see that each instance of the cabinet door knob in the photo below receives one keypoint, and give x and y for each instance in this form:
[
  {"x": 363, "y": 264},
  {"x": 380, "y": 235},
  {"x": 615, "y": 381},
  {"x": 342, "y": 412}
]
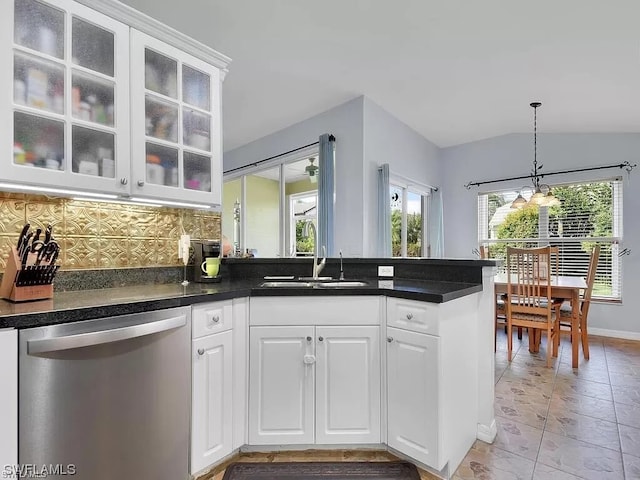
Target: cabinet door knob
[
  {"x": 201, "y": 351},
  {"x": 389, "y": 339},
  {"x": 309, "y": 339},
  {"x": 124, "y": 181},
  {"x": 215, "y": 319},
  {"x": 409, "y": 316},
  {"x": 320, "y": 339},
  {"x": 140, "y": 183}
]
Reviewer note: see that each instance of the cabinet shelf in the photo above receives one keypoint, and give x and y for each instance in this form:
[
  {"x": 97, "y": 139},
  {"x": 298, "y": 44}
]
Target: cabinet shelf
[
  {"x": 37, "y": 57},
  {"x": 92, "y": 75},
  {"x": 93, "y": 126},
  {"x": 36, "y": 112},
  {"x": 163, "y": 143}
]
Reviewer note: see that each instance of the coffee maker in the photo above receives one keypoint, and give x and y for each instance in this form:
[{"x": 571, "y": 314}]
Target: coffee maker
[{"x": 203, "y": 249}]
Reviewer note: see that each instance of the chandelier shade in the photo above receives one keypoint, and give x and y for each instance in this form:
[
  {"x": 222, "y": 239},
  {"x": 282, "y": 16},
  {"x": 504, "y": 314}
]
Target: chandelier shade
[{"x": 542, "y": 194}]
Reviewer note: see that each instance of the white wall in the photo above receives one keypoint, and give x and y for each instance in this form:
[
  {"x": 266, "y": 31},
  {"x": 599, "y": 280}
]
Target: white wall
[
  {"x": 512, "y": 155},
  {"x": 345, "y": 122},
  {"x": 388, "y": 140}
]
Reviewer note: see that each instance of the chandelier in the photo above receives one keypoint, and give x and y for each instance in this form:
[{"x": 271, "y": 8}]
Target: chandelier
[{"x": 542, "y": 195}]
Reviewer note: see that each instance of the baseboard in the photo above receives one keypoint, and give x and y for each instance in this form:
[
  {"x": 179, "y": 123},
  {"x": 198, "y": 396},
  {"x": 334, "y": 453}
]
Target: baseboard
[
  {"x": 487, "y": 433},
  {"x": 605, "y": 332},
  {"x": 311, "y": 446}
]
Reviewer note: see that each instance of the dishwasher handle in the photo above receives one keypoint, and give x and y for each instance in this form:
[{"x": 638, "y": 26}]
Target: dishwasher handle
[{"x": 103, "y": 336}]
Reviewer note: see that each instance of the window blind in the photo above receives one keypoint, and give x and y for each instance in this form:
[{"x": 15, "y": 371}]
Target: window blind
[{"x": 590, "y": 213}]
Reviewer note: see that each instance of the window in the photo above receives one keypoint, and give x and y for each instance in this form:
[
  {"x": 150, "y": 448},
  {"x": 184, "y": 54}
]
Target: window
[
  {"x": 408, "y": 207},
  {"x": 590, "y": 213},
  {"x": 303, "y": 208},
  {"x": 269, "y": 198}
]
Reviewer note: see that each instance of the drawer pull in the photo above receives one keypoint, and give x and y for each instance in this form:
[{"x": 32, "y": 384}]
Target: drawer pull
[
  {"x": 409, "y": 316},
  {"x": 215, "y": 319},
  {"x": 201, "y": 351}
]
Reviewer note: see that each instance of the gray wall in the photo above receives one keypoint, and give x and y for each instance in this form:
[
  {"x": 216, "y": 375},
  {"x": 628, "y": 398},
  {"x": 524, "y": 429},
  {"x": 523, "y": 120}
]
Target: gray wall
[
  {"x": 345, "y": 122},
  {"x": 388, "y": 140},
  {"x": 512, "y": 155},
  {"x": 366, "y": 137}
]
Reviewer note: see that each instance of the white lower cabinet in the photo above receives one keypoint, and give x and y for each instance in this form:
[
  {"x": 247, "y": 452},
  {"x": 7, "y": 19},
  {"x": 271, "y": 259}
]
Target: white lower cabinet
[
  {"x": 212, "y": 412},
  {"x": 212, "y": 425},
  {"x": 281, "y": 379},
  {"x": 347, "y": 384},
  {"x": 412, "y": 394},
  {"x": 314, "y": 383},
  {"x": 9, "y": 397},
  {"x": 432, "y": 380}
]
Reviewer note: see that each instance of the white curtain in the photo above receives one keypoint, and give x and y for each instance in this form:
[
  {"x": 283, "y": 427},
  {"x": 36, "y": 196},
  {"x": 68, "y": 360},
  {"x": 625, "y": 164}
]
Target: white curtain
[
  {"x": 436, "y": 224},
  {"x": 384, "y": 212}
]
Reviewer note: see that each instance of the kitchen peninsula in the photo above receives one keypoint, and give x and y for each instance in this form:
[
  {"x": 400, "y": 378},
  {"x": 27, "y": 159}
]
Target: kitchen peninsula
[{"x": 434, "y": 315}]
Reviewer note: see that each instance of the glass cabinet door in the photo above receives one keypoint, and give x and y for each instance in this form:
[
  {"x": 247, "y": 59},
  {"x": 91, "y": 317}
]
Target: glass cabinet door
[
  {"x": 180, "y": 146},
  {"x": 92, "y": 99},
  {"x": 39, "y": 74},
  {"x": 70, "y": 81}
]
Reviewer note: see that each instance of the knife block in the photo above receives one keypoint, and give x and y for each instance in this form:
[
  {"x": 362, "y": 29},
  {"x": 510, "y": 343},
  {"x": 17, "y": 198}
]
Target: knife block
[{"x": 10, "y": 291}]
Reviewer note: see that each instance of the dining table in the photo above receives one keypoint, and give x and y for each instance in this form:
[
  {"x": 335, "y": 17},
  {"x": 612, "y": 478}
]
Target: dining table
[{"x": 564, "y": 288}]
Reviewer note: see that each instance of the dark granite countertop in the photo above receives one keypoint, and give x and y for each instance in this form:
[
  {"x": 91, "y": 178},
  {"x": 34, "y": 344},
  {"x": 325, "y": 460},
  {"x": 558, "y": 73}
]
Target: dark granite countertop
[{"x": 88, "y": 304}]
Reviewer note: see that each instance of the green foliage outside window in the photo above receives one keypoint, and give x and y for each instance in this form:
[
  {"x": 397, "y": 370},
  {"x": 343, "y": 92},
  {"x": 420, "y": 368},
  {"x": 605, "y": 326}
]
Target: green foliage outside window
[
  {"x": 414, "y": 234},
  {"x": 585, "y": 211},
  {"x": 303, "y": 244}
]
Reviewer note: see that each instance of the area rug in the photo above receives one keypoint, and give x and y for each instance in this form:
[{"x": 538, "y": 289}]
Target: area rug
[{"x": 322, "y": 471}]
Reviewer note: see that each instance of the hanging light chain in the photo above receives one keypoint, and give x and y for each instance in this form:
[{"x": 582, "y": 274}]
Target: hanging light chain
[{"x": 536, "y": 180}]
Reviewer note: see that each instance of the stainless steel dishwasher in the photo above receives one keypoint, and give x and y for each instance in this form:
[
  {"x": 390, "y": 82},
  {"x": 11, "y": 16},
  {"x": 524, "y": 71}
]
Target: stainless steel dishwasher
[{"x": 110, "y": 397}]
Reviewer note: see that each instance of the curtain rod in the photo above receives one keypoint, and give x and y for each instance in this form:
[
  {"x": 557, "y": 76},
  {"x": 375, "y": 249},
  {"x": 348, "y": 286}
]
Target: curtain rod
[
  {"x": 255, "y": 164},
  {"x": 626, "y": 165},
  {"x": 410, "y": 182}
]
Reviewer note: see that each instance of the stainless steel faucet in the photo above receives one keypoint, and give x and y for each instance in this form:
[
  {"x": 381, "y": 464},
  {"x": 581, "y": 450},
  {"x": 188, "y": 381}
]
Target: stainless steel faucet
[{"x": 317, "y": 268}]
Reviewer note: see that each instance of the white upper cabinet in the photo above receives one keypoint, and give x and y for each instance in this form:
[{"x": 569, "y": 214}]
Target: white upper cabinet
[
  {"x": 175, "y": 116},
  {"x": 66, "y": 101},
  {"x": 93, "y": 102}
]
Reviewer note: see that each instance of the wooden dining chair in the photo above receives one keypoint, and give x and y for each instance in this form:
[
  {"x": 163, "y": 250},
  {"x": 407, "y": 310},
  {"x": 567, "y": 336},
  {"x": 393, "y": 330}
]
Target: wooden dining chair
[
  {"x": 529, "y": 302},
  {"x": 499, "y": 308},
  {"x": 563, "y": 310}
]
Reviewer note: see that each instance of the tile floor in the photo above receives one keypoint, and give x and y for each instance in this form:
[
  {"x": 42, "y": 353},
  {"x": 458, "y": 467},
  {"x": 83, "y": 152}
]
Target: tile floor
[
  {"x": 553, "y": 423},
  {"x": 559, "y": 423}
]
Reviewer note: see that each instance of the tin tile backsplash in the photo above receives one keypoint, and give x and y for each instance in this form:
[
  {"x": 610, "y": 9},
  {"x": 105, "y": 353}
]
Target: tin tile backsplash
[{"x": 95, "y": 235}]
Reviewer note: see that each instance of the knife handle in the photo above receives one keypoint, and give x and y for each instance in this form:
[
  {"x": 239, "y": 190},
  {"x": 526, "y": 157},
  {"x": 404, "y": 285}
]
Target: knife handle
[{"x": 47, "y": 234}]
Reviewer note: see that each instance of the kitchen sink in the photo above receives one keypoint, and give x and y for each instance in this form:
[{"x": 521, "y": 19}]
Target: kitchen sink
[
  {"x": 287, "y": 284},
  {"x": 343, "y": 283},
  {"x": 313, "y": 284}
]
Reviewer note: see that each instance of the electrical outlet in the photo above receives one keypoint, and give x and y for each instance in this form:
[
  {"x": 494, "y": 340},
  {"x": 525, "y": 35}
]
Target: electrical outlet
[{"x": 385, "y": 271}]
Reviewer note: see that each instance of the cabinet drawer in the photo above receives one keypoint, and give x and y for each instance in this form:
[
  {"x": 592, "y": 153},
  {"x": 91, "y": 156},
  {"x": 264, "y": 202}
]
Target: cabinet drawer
[
  {"x": 413, "y": 315},
  {"x": 211, "y": 318},
  {"x": 321, "y": 310}
]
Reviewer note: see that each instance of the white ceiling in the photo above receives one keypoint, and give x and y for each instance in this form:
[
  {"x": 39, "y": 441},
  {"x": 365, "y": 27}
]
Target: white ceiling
[{"x": 454, "y": 70}]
